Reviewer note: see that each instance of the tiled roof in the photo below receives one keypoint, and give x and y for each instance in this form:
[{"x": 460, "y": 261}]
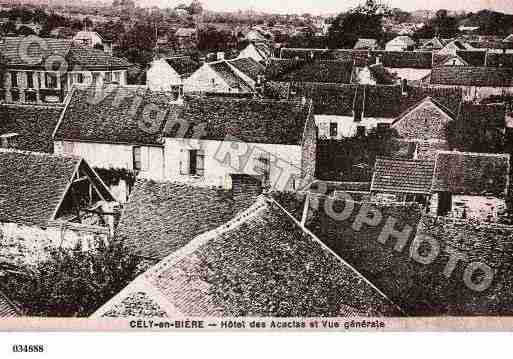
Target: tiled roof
[
  {"x": 471, "y": 173},
  {"x": 32, "y": 185},
  {"x": 389, "y": 101},
  {"x": 492, "y": 45},
  {"x": 317, "y": 71},
  {"x": 473, "y": 58},
  {"x": 106, "y": 115},
  {"x": 432, "y": 44},
  {"x": 381, "y": 75},
  {"x": 249, "y": 67},
  {"x": 7, "y": 307},
  {"x": 494, "y": 59},
  {"x": 32, "y": 50},
  {"x": 229, "y": 76},
  {"x": 472, "y": 76},
  {"x": 244, "y": 269},
  {"x": 161, "y": 218},
  {"x": 508, "y": 38},
  {"x": 490, "y": 114},
  {"x": 183, "y": 65},
  {"x": 93, "y": 59},
  {"x": 248, "y": 120},
  {"x": 328, "y": 99},
  {"x": 403, "y": 59},
  {"x": 358, "y": 57},
  {"x": 402, "y": 176},
  {"x": 33, "y": 124},
  {"x": 35, "y": 52}
]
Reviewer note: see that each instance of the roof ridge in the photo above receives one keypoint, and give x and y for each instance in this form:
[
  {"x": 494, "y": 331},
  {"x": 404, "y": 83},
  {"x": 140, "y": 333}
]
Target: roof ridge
[{"x": 38, "y": 154}]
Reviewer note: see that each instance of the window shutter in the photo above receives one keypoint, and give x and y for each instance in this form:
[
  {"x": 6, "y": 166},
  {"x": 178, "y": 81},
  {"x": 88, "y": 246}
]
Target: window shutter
[
  {"x": 200, "y": 162},
  {"x": 184, "y": 162}
]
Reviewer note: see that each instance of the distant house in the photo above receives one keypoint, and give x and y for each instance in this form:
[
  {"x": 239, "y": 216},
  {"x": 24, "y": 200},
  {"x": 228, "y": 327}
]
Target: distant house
[
  {"x": 92, "y": 39},
  {"x": 400, "y": 43},
  {"x": 50, "y": 201},
  {"x": 366, "y": 44},
  {"x": 352, "y": 110},
  {"x": 454, "y": 184},
  {"x": 48, "y": 72},
  {"x": 453, "y": 46},
  {"x": 237, "y": 76},
  {"x": 461, "y": 58},
  {"x": 116, "y": 128},
  {"x": 476, "y": 82},
  {"x": 256, "y": 35},
  {"x": 186, "y": 37},
  {"x": 497, "y": 46},
  {"x": 258, "y": 51},
  {"x": 292, "y": 70},
  {"x": 411, "y": 66},
  {"x": 233, "y": 262},
  {"x": 433, "y": 44},
  {"x": 278, "y": 142},
  {"x": 168, "y": 74}
]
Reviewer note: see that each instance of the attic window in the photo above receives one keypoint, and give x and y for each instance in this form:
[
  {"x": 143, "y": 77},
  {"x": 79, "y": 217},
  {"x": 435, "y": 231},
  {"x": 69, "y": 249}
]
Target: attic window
[{"x": 9, "y": 140}]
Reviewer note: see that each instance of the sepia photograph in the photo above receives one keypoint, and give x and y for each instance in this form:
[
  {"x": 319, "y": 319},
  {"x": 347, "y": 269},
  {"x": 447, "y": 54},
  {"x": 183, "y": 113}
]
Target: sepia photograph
[{"x": 262, "y": 166}]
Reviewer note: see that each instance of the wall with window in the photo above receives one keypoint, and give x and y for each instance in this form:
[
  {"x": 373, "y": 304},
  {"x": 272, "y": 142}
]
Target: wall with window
[
  {"x": 210, "y": 163},
  {"x": 148, "y": 160},
  {"x": 338, "y": 127},
  {"x": 162, "y": 77}
]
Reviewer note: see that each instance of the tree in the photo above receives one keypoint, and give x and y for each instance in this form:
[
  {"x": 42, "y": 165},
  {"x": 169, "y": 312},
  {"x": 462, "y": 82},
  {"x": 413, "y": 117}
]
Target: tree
[
  {"x": 362, "y": 21},
  {"x": 72, "y": 283},
  {"x": 352, "y": 159},
  {"x": 195, "y": 8},
  {"x": 441, "y": 25},
  {"x": 211, "y": 39},
  {"x": 138, "y": 44}
]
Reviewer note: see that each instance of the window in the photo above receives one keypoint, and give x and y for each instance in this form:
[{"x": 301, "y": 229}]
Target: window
[
  {"x": 193, "y": 163},
  {"x": 263, "y": 168},
  {"x": 30, "y": 80},
  {"x": 68, "y": 148},
  {"x": 108, "y": 77},
  {"x": 96, "y": 77},
  {"x": 117, "y": 77},
  {"x": 14, "y": 79},
  {"x": 383, "y": 127},
  {"x": 137, "y": 158},
  {"x": 50, "y": 80},
  {"x": 333, "y": 129},
  {"x": 360, "y": 131},
  {"x": 79, "y": 78}
]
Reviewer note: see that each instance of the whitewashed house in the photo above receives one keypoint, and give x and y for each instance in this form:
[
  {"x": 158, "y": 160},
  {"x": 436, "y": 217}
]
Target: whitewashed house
[
  {"x": 48, "y": 202},
  {"x": 213, "y": 138},
  {"x": 116, "y": 128},
  {"x": 476, "y": 82},
  {"x": 237, "y": 76},
  {"x": 400, "y": 43},
  {"x": 92, "y": 39},
  {"x": 40, "y": 70},
  {"x": 453, "y": 184},
  {"x": 168, "y": 74},
  {"x": 258, "y": 51}
]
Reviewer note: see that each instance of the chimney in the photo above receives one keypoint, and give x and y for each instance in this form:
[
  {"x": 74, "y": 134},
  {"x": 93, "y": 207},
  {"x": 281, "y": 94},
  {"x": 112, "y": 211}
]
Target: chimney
[
  {"x": 220, "y": 55},
  {"x": 9, "y": 140}
]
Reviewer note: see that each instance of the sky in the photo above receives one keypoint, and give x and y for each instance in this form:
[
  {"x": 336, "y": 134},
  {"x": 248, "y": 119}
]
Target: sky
[{"x": 335, "y": 6}]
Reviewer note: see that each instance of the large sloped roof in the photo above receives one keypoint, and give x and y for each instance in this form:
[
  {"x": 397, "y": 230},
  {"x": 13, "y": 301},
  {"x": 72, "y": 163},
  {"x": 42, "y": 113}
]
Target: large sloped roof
[
  {"x": 107, "y": 115},
  {"x": 33, "y": 124},
  {"x": 161, "y": 218},
  {"x": 402, "y": 176},
  {"x": 260, "y": 264},
  {"x": 32, "y": 185},
  {"x": 248, "y": 120},
  {"x": 33, "y": 51}
]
